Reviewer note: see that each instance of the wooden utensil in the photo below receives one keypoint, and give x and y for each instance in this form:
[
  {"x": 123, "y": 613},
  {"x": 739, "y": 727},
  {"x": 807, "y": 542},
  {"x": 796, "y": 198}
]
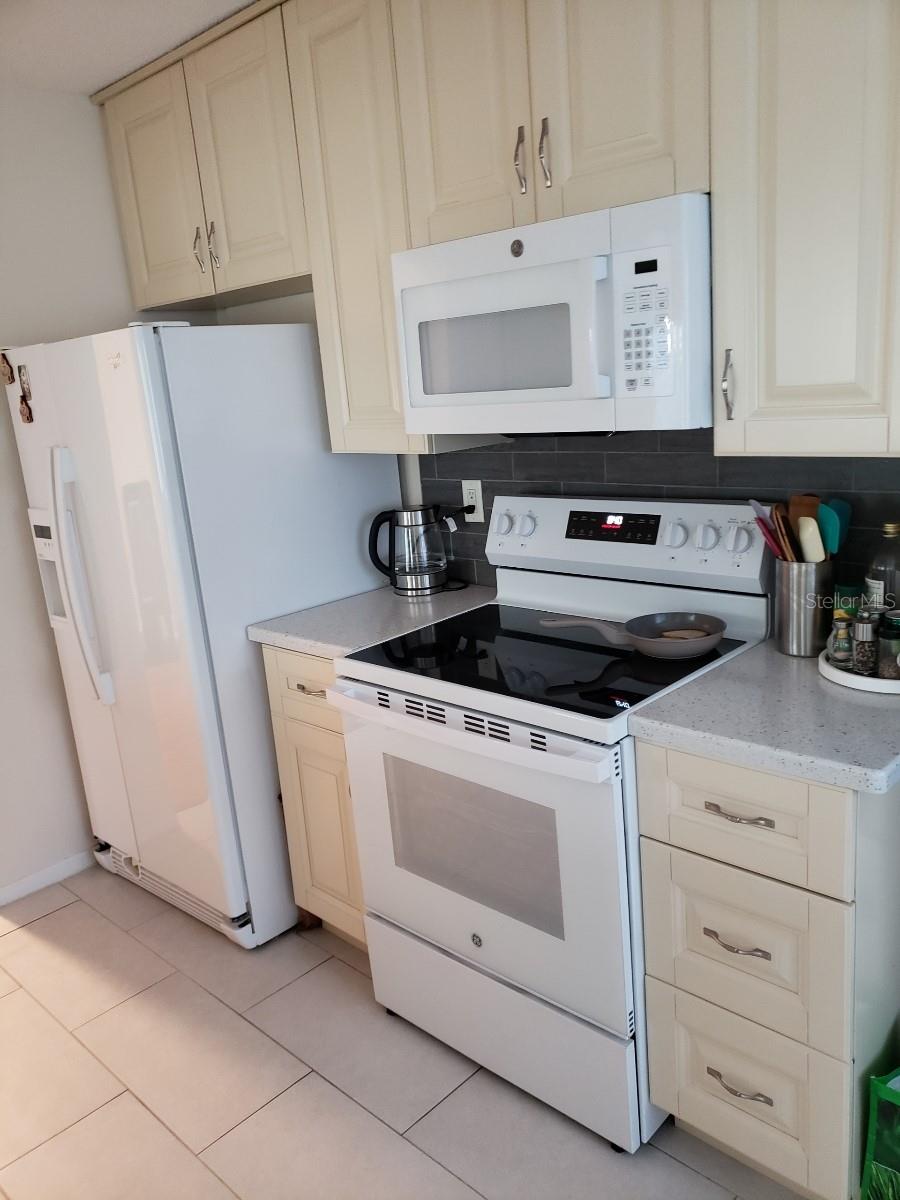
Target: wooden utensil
[
  {"x": 802, "y": 505},
  {"x": 789, "y": 544},
  {"x": 811, "y": 541}
]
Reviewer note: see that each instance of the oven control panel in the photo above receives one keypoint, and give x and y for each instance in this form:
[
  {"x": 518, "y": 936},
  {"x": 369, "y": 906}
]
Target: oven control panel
[{"x": 682, "y": 542}]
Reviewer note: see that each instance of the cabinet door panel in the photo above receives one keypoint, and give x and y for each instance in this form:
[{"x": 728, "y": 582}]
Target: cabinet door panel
[
  {"x": 319, "y": 822},
  {"x": 342, "y": 77},
  {"x": 246, "y": 146},
  {"x": 463, "y": 80},
  {"x": 624, "y": 88},
  {"x": 157, "y": 185},
  {"x": 803, "y": 181}
]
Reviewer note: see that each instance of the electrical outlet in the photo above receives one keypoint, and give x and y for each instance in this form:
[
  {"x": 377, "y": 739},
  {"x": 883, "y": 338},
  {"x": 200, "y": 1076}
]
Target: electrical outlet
[{"x": 471, "y": 490}]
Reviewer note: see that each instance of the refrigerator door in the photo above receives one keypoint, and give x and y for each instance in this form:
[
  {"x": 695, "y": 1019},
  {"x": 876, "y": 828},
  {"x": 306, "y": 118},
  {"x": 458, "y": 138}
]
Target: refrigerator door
[
  {"x": 278, "y": 523},
  {"x": 39, "y": 443},
  {"x": 119, "y": 478}
]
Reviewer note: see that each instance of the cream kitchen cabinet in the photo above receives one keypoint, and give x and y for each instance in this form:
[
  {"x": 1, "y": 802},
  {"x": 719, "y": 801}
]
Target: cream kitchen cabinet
[
  {"x": 315, "y": 790},
  {"x": 772, "y": 958},
  {"x": 205, "y": 166},
  {"x": 806, "y": 252},
  {"x": 157, "y": 183},
  {"x": 620, "y": 95},
  {"x": 521, "y": 110},
  {"x": 240, "y": 101},
  {"x": 344, "y": 88}
]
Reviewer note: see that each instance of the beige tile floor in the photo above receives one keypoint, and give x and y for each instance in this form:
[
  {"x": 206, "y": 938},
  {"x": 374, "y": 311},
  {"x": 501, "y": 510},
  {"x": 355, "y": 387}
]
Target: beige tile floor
[{"x": 143, "y": 1057}]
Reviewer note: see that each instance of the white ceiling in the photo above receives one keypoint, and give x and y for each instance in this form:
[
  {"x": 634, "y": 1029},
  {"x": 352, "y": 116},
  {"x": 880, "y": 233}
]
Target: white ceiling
[{"x": 82, "y": 45}]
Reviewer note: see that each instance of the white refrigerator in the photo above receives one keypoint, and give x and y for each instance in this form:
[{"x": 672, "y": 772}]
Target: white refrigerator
[{"x": 180, "y": 487}]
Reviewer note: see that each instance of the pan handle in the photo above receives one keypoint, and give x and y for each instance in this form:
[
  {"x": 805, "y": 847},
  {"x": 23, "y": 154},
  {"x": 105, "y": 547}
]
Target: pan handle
[{"x": 611, "y": 631}]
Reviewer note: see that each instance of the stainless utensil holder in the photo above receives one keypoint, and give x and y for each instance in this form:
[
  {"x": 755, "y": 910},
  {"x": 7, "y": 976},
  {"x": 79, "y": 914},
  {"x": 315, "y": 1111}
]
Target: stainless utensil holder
[{"x": 803, "y": 598}]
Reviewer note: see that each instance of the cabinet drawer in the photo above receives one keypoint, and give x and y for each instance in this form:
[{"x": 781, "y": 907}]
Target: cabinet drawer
[
  {"x": 799, "y": 832},
  {"x": 792, "y": 1113},
  {"x": 297, "y": 684},
  {"x": 773, "y": 953}
]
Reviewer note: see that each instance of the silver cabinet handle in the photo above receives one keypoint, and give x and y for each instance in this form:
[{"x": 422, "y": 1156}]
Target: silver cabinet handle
[
  {"x": 542, "y": 151},
  {"x": 301, "y": 687},
  {"x": 197, "y": 250},
  {"x": 210, "y": 245},
  {"x": 756, "y": 1097},
  {"x": 758, "y": 822},
  {"x": 727, "y": 390},
  {"x": 517, "y": 160},
  {"x": 755, "y": 953}
]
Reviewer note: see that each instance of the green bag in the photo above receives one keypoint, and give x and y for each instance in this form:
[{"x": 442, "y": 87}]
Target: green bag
[{"x": 881, "y": 1176}]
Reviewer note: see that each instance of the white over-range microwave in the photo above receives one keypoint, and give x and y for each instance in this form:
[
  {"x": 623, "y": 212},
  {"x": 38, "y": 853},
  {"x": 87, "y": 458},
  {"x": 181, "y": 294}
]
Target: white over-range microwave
[{"x": 599, "y": 321}]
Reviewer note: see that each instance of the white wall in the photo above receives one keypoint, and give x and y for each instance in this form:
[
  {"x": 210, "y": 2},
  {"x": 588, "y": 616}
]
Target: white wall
[{"x": 62, "y": 274}]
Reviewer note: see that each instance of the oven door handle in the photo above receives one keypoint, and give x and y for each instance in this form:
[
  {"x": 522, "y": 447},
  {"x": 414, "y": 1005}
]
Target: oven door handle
[{"x": 587, "y": 761}]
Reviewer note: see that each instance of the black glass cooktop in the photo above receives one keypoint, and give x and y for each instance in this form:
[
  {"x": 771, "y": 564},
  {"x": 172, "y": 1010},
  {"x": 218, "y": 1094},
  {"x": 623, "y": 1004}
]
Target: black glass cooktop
[{"x": 514, "y": 652}]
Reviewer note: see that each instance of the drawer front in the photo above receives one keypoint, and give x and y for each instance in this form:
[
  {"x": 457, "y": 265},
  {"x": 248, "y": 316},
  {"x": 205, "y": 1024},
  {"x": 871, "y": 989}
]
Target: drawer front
[
  {"x": 771, "y": 1100},
  {"x": 773, "y": 953},
  {"x": 789, "y": 829},
  {"x": 297, "y": 684}
]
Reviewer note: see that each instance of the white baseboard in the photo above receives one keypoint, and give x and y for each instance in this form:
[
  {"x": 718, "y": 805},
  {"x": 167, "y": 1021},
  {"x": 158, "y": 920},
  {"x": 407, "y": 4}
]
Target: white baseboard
[{"x": 41, "y": 879}]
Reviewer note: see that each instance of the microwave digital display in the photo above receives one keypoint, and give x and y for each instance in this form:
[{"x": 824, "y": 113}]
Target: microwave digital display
[
  {"x": 645, "y": 267},
  {"x": 642, "y": 528}
]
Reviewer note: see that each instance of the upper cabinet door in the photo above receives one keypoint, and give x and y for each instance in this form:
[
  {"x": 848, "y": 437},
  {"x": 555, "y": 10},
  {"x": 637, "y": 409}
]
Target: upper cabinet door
[
  {"x": 619, "y": 95},
  {"x": 462, "y": 71},
  {"x": 158, "y": 189},
  {"x": 805, "y": 254},
  {"x": 240, "y": 102},
  {"x": 345, "y": 103}
]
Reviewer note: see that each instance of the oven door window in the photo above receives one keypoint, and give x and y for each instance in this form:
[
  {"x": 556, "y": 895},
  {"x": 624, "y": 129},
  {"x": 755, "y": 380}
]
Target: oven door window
[
  {"x": 499, "y": 850},
  {"x": 514, "y": 350}
]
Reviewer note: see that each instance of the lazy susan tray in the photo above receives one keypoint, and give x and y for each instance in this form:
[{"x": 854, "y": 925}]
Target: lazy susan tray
[{"x": 859, "y": 683}]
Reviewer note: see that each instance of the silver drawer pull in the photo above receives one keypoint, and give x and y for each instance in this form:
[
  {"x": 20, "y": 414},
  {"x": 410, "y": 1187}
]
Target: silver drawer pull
[
  {"x": 757, "y": 822},
  {"x": 319, "y": 693},
  {"x": 755, "y": 953},
  {"x": 517, "y": 160},
  {"x": 756, "y": 1097}
]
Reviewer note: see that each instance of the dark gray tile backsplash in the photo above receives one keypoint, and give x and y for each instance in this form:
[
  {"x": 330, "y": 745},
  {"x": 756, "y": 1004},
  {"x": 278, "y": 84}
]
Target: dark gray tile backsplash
[{"x": 673, "y": 464}]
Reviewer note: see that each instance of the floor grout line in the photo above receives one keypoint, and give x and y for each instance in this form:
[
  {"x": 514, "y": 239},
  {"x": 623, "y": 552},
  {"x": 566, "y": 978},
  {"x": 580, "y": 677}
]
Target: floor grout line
[
  {"x": 461, "y": 1083},
  {"x": 65, "y": 1129}
]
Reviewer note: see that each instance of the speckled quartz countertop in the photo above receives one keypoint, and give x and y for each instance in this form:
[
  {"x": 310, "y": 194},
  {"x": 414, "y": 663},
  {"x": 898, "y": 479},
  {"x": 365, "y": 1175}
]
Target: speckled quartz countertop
[
  {"x": 766, "y": 710},
  {"x": 333, "y": 630}
]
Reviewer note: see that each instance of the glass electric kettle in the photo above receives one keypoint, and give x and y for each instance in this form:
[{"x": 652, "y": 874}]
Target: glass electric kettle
[{"x": 417, "y": 561}]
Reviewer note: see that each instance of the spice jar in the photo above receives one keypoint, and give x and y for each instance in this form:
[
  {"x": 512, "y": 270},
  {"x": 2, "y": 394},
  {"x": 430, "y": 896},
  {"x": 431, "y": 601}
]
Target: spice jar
[
  {"x": 840, "y": 644},
  {"x": 865, "y": 644},
  {"x": 889, "y": 647}
]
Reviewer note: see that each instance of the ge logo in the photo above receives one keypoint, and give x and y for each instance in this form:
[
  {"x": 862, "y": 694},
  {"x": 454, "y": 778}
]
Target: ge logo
[{"x": 476, "y": 939}]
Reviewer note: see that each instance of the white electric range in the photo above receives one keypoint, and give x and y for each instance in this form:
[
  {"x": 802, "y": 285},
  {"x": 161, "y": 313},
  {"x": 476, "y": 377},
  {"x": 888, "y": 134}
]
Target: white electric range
[{"x": 495, "y": 799}]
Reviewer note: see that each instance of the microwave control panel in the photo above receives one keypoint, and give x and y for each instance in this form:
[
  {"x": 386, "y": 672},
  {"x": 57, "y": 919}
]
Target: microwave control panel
[{"x": 643, "y": 297}]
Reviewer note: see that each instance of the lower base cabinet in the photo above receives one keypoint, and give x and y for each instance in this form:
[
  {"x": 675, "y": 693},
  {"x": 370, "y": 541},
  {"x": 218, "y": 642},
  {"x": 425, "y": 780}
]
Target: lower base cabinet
[
  {"x": 315, "y": 790},
  {"x": 772, "y": 958},
  {"x": 772, "y": 1101}
]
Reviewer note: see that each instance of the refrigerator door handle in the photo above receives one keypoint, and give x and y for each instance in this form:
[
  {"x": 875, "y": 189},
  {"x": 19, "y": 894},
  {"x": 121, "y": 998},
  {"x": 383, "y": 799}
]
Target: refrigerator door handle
[{"x": 74, "y": 578}]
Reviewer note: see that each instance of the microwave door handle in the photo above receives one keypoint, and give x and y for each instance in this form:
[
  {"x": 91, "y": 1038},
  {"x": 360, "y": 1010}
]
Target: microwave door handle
[
  {"x": 590, "y": 764},
  {"x": 517, "y": 160},
  {"x": 62, "y": 471}
]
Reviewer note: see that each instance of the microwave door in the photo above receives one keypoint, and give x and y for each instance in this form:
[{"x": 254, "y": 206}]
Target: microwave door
[{"x": 510, "y": 351}]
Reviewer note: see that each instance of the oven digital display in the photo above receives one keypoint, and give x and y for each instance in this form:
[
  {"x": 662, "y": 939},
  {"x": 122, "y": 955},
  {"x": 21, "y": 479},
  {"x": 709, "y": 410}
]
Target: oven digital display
[{"x": 642, "y": 528}]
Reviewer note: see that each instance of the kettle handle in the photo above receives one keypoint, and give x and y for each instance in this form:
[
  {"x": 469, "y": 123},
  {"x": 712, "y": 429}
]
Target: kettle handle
[{"x": 377, "y": 562}]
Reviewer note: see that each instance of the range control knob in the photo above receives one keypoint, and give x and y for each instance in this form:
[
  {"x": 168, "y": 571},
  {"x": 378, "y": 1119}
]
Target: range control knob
[
  {"x": 527, "y": 525},
  {"x": 740, "y": 539},
  {"x": 707, "y": 536},
  {"x": 676, "y": 534},
  {"x": 504, "y": 523}
]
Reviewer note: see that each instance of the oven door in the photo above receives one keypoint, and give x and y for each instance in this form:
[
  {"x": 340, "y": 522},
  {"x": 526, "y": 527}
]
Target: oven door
[{"x": 500, "y": 843}]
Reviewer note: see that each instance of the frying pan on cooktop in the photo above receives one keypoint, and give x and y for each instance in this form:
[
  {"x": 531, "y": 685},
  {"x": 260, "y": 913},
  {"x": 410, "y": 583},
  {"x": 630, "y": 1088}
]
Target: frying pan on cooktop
[{"x": 658, "y": 635}]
